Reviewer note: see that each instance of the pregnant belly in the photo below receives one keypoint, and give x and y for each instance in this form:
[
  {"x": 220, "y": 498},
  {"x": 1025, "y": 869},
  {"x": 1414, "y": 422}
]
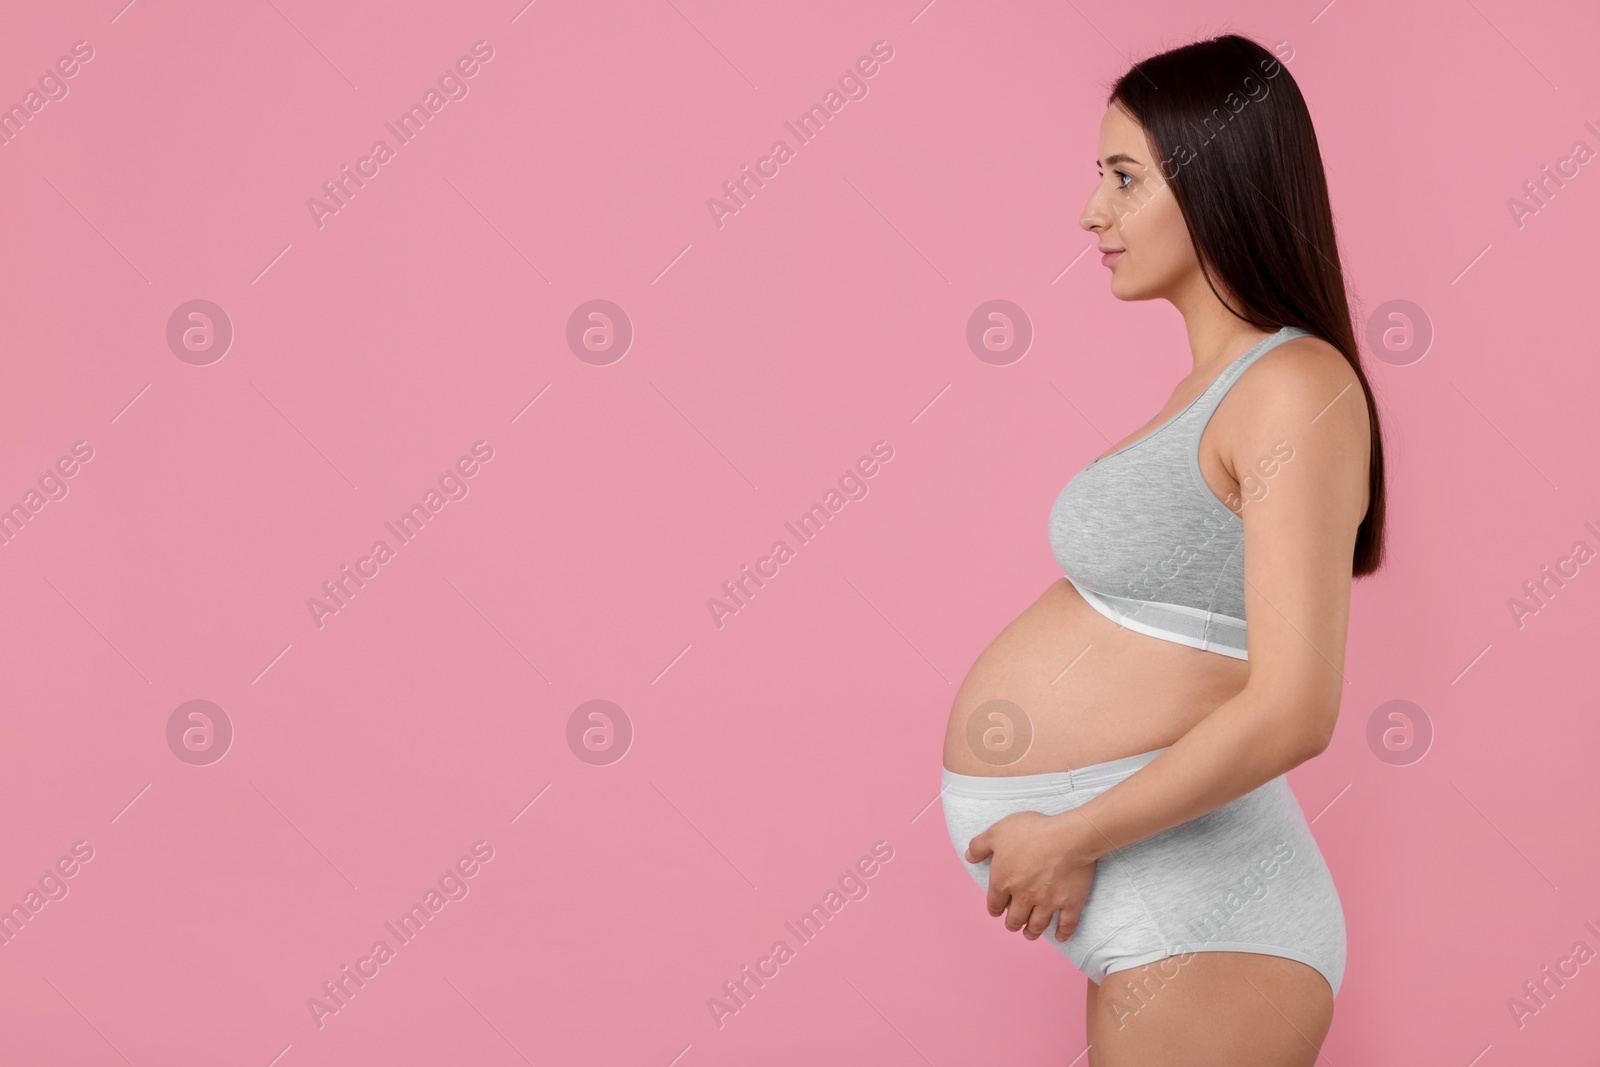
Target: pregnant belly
[{"x": 1064, "y": 687}]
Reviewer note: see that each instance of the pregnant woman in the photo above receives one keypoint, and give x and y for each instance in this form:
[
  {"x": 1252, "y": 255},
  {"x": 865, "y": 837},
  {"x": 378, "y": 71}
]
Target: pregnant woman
[{"x": 1114, "y": 762}]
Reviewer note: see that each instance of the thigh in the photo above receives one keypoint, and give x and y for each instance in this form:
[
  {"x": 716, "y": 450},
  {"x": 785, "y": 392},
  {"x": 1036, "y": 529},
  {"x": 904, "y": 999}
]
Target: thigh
[
  {"x": 1091, "y": 1023},
  {"x": 1210, "y": 1009}
]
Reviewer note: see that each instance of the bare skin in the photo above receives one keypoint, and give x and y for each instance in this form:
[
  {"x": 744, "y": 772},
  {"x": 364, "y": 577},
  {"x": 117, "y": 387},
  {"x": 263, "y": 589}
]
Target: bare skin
[
  {"x": 1212, "y": 1011},
  {"x": 1093, "y": 691}
]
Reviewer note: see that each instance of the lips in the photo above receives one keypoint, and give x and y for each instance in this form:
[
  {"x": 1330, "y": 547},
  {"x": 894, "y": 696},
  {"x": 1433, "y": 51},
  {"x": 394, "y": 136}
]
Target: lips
[{"x": 1110, "y": 256}]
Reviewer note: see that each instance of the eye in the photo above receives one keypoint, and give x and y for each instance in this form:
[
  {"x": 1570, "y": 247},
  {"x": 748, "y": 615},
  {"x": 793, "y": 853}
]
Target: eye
[{"x": 1123, "y": 174}]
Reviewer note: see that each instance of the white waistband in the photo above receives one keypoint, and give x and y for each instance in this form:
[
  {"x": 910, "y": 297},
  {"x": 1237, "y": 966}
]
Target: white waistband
[{"x": 1095, "y": 778}]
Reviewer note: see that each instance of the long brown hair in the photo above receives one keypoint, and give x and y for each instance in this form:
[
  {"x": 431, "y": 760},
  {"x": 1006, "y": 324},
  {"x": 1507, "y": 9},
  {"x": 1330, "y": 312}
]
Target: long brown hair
[{"x": 1238, "y": 148}]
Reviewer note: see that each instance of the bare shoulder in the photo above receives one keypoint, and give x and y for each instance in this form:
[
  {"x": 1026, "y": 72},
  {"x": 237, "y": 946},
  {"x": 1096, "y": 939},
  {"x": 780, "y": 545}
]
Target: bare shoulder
[{"x": 1303, "y": 385}]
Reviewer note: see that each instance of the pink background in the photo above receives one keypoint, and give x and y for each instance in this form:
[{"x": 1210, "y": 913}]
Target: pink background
[{"x": 769, "y": 354}]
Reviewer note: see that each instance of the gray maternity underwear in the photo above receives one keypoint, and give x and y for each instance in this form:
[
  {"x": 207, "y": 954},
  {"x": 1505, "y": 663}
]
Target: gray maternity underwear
[{"x": 1246, "y": 877}]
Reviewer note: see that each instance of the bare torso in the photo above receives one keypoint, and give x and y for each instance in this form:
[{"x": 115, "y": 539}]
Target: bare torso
[{"x": 1089, "y": 689}]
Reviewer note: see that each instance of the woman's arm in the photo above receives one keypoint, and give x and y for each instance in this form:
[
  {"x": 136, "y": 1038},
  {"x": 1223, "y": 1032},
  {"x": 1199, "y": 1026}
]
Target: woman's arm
[{"x": 1299, "y": 529}]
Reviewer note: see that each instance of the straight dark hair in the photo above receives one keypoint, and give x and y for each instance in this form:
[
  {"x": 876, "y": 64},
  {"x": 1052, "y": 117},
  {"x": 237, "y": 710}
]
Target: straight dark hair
[{"x": 1237, "y": 146}]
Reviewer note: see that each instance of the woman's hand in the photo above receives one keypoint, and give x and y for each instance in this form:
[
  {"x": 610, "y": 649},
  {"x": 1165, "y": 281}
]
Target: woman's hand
[{"x": 1040, "y": 866}]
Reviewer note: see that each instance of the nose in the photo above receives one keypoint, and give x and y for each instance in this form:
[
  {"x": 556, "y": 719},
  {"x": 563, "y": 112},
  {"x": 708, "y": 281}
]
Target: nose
[{"x": 1095, "y": 217}]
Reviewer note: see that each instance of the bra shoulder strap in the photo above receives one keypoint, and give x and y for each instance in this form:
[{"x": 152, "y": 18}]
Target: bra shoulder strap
[{"x": 1219, "y": 388}]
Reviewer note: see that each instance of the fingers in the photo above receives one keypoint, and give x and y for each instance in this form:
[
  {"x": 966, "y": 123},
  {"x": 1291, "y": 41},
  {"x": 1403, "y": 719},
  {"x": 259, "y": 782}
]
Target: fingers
[
  {"x": 1034, "y": 919},
  {"x": 998, "y": 900},
  {"x": 978, "y": 849},
  {"x": 1026, "y": 917}
]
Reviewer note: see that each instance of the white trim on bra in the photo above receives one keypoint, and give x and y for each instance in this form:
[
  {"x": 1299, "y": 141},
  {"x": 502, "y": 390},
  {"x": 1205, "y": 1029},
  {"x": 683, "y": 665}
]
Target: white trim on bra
[{"x": 1205, "y": 630}]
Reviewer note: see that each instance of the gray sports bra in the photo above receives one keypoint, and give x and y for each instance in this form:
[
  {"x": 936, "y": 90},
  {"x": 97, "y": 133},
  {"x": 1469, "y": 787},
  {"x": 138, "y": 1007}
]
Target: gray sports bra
[{"x": 1145, "y": 540}]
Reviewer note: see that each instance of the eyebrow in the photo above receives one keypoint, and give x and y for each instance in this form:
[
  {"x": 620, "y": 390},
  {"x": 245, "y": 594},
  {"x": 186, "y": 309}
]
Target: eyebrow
[{"x": 1118, "y": 158}]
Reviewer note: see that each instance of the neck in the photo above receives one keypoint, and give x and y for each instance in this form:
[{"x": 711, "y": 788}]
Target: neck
[{"x": 1216, "y": 335}]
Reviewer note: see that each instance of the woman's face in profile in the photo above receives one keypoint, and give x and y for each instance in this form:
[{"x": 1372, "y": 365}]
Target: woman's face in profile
[{"x": 1132, "y": 210}]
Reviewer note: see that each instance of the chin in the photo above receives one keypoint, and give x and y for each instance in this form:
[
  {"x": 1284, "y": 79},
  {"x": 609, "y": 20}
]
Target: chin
[
  {"x": 1127, "y": 291},
  {"x": 1134, "y": 285}
]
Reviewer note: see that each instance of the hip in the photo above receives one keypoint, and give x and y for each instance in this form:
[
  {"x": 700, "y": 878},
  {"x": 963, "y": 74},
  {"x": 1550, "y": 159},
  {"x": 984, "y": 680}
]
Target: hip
[{"x": 1246, "y": 877}]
